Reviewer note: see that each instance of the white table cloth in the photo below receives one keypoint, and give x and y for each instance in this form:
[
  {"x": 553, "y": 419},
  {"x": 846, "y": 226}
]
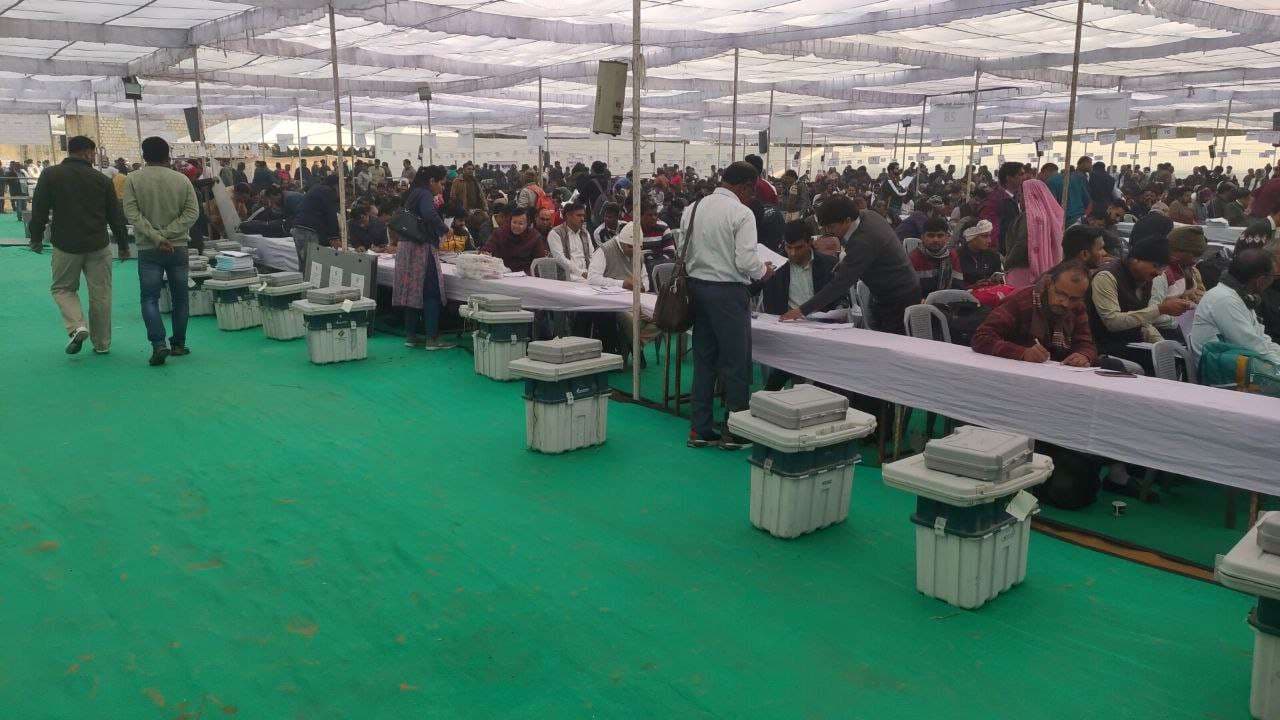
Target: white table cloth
[{"x": 1222, "y": 235}]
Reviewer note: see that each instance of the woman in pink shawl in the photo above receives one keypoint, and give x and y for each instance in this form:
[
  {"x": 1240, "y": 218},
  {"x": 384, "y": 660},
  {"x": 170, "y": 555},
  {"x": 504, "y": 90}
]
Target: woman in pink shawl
[{"x": 1039, "y": 246}]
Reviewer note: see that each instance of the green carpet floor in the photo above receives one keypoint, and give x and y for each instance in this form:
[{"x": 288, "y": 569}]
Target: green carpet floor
[
  {"x": 11, "y": 228},
  {"x": 243, "y": 534}
]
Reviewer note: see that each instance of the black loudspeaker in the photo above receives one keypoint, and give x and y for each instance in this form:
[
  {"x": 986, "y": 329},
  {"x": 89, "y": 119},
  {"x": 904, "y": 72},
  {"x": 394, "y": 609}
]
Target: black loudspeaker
[
  {"x": 763, "y": 141},
  {"x": 193, "y": 124},
  {"x": 132, "y": 88},
  {"x": 1275, "y": 121},
  {"x": 62, "y": 143}
]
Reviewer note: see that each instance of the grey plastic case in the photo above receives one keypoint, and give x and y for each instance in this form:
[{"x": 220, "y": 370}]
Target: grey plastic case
[
  {"x": 979, "y": 453},
  {"x": 494, "y": 303},
  {"x": 332, "y": 295},
  {"x": 564, "y": 350},
  {"x": 280, "y": 279},
  {"x": 1269, "y": 533},
  {"x": 234, "y": 274},
  {"x": 800, "y": 407}
]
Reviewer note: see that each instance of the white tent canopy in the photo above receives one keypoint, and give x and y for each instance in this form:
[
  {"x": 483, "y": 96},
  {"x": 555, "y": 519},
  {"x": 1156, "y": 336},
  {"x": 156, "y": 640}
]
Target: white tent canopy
[{"x": 850, "y": 70}]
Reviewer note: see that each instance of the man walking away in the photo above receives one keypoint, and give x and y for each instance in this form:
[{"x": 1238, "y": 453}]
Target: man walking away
[
  {"x": 84, "y": 203},
  {"x": 720, "y": 241},
  {"x": 161, "y": 204}
]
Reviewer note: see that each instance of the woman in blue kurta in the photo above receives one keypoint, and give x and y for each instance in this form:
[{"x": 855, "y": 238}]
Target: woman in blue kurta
[{"x": 419, "y": 283}]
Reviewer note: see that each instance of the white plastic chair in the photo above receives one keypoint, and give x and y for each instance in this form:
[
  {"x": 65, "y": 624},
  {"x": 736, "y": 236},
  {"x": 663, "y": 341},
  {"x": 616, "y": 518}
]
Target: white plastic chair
[
  {"x": 918, "y": 320},
  {"x": 943, "y": 297},
  {"x": 547, "y": 269},
  {"x": 1164, "y": 356},
  {"x": 910, "y": 244}
]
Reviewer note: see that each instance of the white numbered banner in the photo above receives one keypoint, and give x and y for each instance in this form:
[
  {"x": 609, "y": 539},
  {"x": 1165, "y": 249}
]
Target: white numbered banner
[
  {"x": 1106, "y": 138},
  {"x": 1166, "y": 133},
  {"x": 429, "y": 141},
  {"x": 691, "y": 129},
  {"x": 1132, "y": 139},
  {"x": 1183, "y": 153},
  {"x": 536, "y": 137},
  {"x": 284, "y": 139},
  {"x": 985, "y": 152},
  {"x": 25, "y": 129},
  {"x": 785, "y": 129},
  {"x": 1204, "y": 137},
  {"x": 949, "y": 118},
  {"x": 1103, "y": 111},
  {"x": 1270, "y": 137}
]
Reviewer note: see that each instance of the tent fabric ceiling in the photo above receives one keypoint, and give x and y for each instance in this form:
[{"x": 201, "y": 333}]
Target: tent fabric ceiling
[{"x": 850, "y": 68}]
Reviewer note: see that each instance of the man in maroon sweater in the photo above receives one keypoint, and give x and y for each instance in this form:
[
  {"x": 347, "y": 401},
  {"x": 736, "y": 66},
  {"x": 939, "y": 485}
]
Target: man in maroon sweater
[
  {"x": 1046, "y": 321},
  {"x": 1266, "y": 199}
]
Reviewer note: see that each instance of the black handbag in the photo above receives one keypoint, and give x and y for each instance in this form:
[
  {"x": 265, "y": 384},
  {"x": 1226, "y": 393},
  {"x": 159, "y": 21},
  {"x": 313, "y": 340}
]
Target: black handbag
[
  {"x": 408, "y": 226},
  {"x": 673, "y": 312}
]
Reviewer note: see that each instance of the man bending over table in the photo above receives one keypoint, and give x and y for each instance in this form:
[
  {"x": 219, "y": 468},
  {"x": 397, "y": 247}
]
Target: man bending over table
[{"x": 1042, "y": 322}]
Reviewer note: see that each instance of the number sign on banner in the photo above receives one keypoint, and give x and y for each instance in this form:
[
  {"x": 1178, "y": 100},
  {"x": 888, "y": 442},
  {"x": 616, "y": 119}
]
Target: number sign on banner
[
  {"x": 949, "y": 118},
  {"x": 1106, "y": 138},
  {"x": 1103, "y": 111},
  {"x": 1166, "y": 133}
]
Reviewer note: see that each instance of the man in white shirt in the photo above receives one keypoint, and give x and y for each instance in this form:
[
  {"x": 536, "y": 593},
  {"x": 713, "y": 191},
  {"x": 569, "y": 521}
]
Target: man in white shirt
[
  {"x": 611, "y": 267},
  {"x": 570, "y": 243},
  {"x": 719, "y": 244},
  {"x": 1226, "y": 312}
]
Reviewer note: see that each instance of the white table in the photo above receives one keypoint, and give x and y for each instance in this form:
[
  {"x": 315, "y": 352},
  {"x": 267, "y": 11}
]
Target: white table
[
  {"x": 1221, "y": 235},
  {"x": 1216, "y": 435}
]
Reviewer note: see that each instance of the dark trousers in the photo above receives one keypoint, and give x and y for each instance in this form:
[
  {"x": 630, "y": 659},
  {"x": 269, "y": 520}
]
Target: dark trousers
[
  {"x": 428, "y": 317},
  {"x": 887, "y": 317},
  {"x": 155, "y": 269},
  {"x": 721, "y": 347}
]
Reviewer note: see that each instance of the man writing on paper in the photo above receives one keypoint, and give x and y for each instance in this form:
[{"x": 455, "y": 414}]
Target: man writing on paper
[
  {"x": 795, "y": 283},
  {"x": 611, "y": 268},
  {"x": 874, "y": 255},
  {"x": 1042, "y": 322}
]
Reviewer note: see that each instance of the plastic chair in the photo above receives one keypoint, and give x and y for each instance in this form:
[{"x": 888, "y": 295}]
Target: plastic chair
[
  {"x": 547, "y": 269},
  {"x": 943, "y": 297},
  {"x": 910, "y": 244},
  {"x": 918, "y": 320},
  {"x": 1164, "y": 356}
]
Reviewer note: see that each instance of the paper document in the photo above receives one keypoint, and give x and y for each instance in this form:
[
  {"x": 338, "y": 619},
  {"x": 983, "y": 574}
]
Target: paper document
[
  {"x": 602, "y": 290},
  {"x": 837, "y": 315},
  {"x": 768, "y": 256},
  {"x": 1185, "y": 321},
  {"x": 513, "y": 274}
]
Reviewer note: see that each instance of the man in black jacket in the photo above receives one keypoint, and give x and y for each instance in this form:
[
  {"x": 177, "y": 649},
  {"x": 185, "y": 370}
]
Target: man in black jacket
[
  {"x": 83, "y": 204},
  {"x": 874, "y": 255},
  {"x": 795, "y": 283}
]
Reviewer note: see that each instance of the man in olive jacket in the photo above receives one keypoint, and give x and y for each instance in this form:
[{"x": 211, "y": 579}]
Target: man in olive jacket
[{"x": 83, "y": 204}]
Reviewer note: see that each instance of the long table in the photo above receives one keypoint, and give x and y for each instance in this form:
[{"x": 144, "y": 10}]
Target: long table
[
  {"x": 1216, "y": 435},
  {"x": 1216, "y": 234}
]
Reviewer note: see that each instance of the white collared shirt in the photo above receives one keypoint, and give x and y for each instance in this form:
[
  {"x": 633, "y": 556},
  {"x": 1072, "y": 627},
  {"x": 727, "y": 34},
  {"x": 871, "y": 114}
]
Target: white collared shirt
[
  {"x": 575, "y": 263},
  {"x": 800, "y": 287},
  {"x": 723, "y": 248}
]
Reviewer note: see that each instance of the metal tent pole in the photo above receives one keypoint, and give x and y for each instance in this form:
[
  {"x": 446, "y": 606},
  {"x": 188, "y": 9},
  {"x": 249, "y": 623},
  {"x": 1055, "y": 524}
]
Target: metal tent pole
[
  {"x": 542, "y": 147},
  {"x": 973, "y": 134},
  {"x": 297, "y": 118},
  {"x": 337, "y": 121},
  {"x": 204, "y": 144},
  {"x": 733, "y": 132},
  {"x": 1071, "y": 111},
  {"x": 53, "y": 142},
  {"x": 351, "y": 122},
  {"x": 1226, "y": 126},
  {"x": 1137, "y": 137},
  {"x": 431, "y": 152},
  {"x": 473, "y": 138},
  {"x": 920, "y": 144},
  {"x": 1000, "y": 151},
  {"x": 719, "y": 134},
  {"x": 637, "y": 242},
  {"x": 768, "y": 153},
  {"x": 97, "y": 127},
  {"x": 137, "y": 126},
  {"x": 422, "y": 142},
  {"x": 262, "y": 133},
  {"x": 1115, "y": 136}
]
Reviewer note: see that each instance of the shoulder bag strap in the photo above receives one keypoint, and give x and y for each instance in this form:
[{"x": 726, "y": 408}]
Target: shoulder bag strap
[{"x": 688, "y": 237}]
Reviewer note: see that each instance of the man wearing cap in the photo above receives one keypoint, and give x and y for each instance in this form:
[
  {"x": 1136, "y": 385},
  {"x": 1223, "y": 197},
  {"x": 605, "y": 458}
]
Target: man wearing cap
[
  {"x": 1121, "y": 310},
  {"x": 1181, "y": 278},
  {"x": 936, "y": 264},
  {"x": 610, "y": 266},
  {"x": 978, "y": 262}
]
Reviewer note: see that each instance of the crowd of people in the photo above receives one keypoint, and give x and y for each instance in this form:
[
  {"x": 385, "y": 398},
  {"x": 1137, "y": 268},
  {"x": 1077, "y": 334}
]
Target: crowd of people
[{"x": 1046, "y": 282}]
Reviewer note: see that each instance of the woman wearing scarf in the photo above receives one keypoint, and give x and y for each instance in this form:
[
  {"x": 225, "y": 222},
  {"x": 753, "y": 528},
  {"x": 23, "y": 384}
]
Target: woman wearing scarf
[
  {"x": 517, "y": 243},
  {"x": 419, "y": 280},
  {"x": 936, "y": 264},
  {"x": 1041, "y": 248}
]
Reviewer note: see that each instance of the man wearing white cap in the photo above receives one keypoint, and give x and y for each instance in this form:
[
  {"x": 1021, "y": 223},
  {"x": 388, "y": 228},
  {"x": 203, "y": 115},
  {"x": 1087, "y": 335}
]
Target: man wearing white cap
[
  {"x": 978, "y": 262},
  {"x": 610, "y": 266}
]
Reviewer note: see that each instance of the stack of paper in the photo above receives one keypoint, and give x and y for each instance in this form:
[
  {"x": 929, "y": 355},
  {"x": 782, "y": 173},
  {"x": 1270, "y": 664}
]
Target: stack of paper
[{"x": 233, "y": 260}]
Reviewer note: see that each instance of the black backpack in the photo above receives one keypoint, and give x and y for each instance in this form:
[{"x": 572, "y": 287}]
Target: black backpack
[
  {"x": 771, "y": 227},
  {"x": 1075, "y": 481},
  {"x": 963, "y": 319}
]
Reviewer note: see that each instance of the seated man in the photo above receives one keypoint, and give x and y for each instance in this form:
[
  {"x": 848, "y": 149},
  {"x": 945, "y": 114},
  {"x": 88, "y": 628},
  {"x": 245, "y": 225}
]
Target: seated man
[
  {"x": 1105, "y": 219},
  {"x": 1227, "y": 312},
  {"x": 1120, "y": 306},
  {"x": 978, "y": 262},
  {"x": 936, "y": 264},
  {"x": 610, "y": 266},
  {"x": 543, "y": 221},
  {"x": 570, "y": 243},
  {"x": 458, "y": 239},
  {"x": 1084, "y": 243},
  {"x": 366, "y": 231},
  {"x": 1180, "y": 278},
  {"x": 607, "y": 229},
  {"x": 1042, "y": 322},
  {"x": 795, "y": 283}
]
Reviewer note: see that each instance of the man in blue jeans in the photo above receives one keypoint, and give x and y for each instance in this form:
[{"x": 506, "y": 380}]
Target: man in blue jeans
[
  {"x": 161, "y": 205},
  {"x": 721, "y": 260}
]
